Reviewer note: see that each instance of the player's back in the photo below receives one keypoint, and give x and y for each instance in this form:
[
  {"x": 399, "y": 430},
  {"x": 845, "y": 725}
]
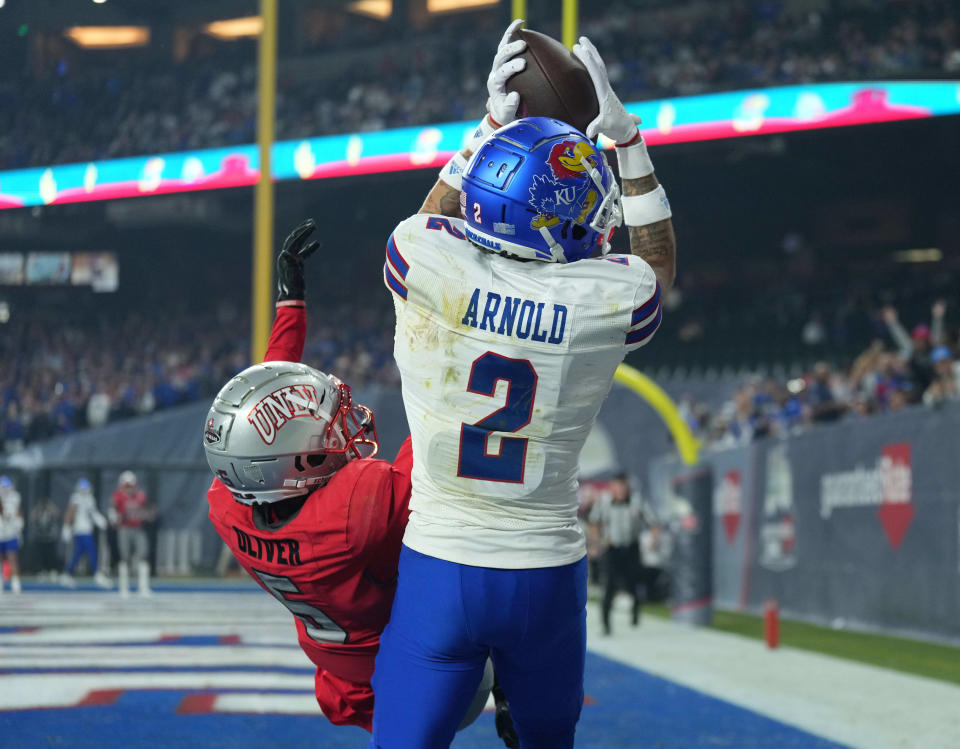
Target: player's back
[
  {"x": 85, "y": 506},
  {"x": 9, "y": 512},
  {"x": 505, "y": 365},
  {"x": 10, "y": 503},
  {"x": 332, "y": 564}
]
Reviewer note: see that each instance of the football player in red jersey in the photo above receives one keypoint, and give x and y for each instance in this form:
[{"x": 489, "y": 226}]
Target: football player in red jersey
[{"x": 304, "y": 507}]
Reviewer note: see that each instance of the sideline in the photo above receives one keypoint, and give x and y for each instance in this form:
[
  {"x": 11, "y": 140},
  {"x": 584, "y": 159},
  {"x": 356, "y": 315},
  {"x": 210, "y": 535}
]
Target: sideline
[{"x": 846, "y": 701}]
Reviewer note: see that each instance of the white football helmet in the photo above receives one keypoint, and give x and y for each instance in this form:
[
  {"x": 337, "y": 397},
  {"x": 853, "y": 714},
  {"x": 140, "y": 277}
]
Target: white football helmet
[{"x": 282, "y": 429}]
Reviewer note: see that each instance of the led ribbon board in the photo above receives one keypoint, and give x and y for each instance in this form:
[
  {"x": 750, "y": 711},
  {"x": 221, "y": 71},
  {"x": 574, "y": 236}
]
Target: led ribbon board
[{"x": 679, "y": 120}]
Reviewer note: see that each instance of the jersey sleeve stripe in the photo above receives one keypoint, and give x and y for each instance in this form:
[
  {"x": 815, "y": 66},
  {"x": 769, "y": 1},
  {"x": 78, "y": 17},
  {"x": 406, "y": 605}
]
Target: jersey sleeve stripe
[
  {"x": 647, "y": 308},
  {"x": 641, "y": 334},
  {"x": 393, "y": 283},
  {"x": 396, "y": 259}
]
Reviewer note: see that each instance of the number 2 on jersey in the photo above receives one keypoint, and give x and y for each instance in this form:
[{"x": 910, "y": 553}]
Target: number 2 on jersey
[{"x": 509, "y": 464}]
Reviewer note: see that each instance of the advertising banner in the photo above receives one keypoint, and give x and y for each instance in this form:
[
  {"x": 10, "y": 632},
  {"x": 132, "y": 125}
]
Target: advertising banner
[
  {"x": 691, "y": 569},
  {"x": 868, "y": 535},
  {"x": 682, "y": 119},
  {"x": 854, "y": 524}
]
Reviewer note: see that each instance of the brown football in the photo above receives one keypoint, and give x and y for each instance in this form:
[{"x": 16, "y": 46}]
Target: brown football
[{"x": 554, "y": 83}]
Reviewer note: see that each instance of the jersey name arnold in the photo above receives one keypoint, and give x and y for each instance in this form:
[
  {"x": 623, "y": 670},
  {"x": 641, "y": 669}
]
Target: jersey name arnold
[{"x": 505, "y": 365}]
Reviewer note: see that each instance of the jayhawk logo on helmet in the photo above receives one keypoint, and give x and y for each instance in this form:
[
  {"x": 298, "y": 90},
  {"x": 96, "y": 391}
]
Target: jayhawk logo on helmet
[
  {"x": 566, "y": 159},
  {"x": 554, "y": 187},
  {"x": 555, "y": 201}
]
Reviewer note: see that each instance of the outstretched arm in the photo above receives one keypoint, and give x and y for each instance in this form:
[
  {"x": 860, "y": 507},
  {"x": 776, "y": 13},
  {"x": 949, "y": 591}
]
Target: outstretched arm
[
  {"x": 646, "y": 209},
  {"x": 654, "y": 242},
  {"x": 444, "y": 196},
  {"x": 289, "y": 330}
]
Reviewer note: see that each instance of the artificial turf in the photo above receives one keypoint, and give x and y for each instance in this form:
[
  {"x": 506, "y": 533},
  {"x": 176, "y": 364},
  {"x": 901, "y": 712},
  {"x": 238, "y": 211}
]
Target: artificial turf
[{"x": 933, "y": 660}]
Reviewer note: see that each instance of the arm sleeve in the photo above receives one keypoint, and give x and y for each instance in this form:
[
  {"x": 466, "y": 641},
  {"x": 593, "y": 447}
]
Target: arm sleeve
[
  {"x": 901, "y": 338},
  {"x": 647, "y": 312},
  {"x": 395, "y": 269},
  {"x": 936, "y": 331},
  {"x": 288, "y": 334}
]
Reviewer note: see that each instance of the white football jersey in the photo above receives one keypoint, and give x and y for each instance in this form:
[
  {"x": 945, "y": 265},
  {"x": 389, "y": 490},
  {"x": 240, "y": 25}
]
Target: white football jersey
[
  {"x": 10, "y": 523},
  {"x": 87, "y": 513},
  {"x": 505, "y": 365}
]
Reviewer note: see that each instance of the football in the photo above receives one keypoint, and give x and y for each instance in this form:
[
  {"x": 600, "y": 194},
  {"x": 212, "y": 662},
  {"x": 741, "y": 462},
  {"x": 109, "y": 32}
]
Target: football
[{"x": 554, "y": 83}]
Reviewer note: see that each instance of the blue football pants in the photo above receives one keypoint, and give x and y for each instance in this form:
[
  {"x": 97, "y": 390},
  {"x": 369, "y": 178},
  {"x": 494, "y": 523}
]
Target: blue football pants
[
  {"x": 84, "y": 543},
  {"x": 447, "y": 618}
]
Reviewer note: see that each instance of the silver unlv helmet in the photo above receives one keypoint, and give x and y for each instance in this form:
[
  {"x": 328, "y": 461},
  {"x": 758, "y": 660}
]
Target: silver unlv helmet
[{"x": 280, "y": 429}]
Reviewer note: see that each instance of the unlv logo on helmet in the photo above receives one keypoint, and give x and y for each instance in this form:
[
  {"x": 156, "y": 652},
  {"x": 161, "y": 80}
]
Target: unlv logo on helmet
[
  {"x": 213, "y": 433},
  {"x": 281, "y": 406}
]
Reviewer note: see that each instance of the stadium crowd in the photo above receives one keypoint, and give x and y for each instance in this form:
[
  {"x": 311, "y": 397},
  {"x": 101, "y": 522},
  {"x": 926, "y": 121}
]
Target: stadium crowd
[
  {"x": 921, "y": 367},
  {"x": 78, "y": 375},
  {"x": 59, "y": 377},
  {"x": 358, "y": 77}
]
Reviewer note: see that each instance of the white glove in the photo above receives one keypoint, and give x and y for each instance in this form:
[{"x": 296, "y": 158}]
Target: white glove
[
  {"x": 66, "y": 534},
  {"x": 100, "y": 521},
  {"x": 501, "y": 105},
  {"x": 613, "y": 121}
]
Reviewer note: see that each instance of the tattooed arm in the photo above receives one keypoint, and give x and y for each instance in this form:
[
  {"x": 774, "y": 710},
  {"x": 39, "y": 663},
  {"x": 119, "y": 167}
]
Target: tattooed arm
[
  {"x": 654, "y": 242},
  {"x": 444, "y": 198},
  {"x": 647, "y": 218},
  {"x": 502, "y": 106}
]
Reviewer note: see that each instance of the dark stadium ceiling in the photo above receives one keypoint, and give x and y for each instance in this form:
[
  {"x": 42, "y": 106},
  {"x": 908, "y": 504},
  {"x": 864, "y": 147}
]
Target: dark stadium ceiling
[{"x": 53, "y": 14}]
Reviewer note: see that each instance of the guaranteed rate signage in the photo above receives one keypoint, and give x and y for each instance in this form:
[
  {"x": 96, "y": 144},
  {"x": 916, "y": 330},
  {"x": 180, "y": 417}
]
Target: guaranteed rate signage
[
  {"x": 855, "y": 523},
  {"x": 678, "y": 120}
]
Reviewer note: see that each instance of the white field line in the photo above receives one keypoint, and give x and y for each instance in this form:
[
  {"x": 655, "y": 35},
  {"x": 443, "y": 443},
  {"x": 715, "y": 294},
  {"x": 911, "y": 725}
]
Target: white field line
[
  {"x": 276, "y": 704},
  {"x": 64, "y": 690},
  {"x": 167, "y": 656}
]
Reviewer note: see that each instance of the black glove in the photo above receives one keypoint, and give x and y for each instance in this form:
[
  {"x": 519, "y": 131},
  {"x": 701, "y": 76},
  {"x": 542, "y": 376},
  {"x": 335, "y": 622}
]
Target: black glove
[{"x": 291, "y": 285}]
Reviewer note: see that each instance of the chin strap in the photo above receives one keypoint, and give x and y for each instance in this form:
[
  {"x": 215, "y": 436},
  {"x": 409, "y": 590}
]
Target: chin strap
[{"x": 556, "y": 251}]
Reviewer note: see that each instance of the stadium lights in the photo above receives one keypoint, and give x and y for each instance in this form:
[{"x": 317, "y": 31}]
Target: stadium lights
[
  {"x": 109, "y": 37},
  {"x": 235, "y": 28},
  {"x": 381, "y": 9},
  {"x": 920, "y": 255},
  {"x": 442, "y": 6},
  {"x": 99, "y": 2}
]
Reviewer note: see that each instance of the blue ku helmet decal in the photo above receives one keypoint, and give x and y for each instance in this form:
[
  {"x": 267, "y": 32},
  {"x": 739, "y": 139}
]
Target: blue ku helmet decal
[{"x": 538, "y": 189}]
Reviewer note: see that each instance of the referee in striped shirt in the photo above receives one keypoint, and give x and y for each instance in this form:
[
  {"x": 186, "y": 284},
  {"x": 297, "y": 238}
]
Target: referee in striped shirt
[{"x": 617, "y": 523}]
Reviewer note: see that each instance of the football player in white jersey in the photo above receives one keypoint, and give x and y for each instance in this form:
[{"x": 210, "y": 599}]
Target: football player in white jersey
[
  {"x": 80, "y": 523},
  {"x": 11, "y": 524},
  {"x": 508, "y": 334}
]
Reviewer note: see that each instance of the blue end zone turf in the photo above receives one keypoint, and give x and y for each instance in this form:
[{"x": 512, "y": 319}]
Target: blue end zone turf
[{"x": 627, "y": 708}]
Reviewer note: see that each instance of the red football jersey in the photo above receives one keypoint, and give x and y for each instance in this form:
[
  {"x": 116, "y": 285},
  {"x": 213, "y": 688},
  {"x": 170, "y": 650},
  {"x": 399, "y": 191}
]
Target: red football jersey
[
  {"x": 132, "y": 509},
  {"x": 334, "y": 563}
]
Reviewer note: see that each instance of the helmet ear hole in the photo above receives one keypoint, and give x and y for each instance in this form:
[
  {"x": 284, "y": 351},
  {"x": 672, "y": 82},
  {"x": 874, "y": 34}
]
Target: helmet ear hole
[
  {"x": 579, "y": 232},
  {"x": 316, "y": 459}
]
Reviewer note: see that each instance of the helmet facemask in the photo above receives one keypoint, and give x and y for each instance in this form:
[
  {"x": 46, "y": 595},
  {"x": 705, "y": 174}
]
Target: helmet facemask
[{"x": 353, "y": 431}]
